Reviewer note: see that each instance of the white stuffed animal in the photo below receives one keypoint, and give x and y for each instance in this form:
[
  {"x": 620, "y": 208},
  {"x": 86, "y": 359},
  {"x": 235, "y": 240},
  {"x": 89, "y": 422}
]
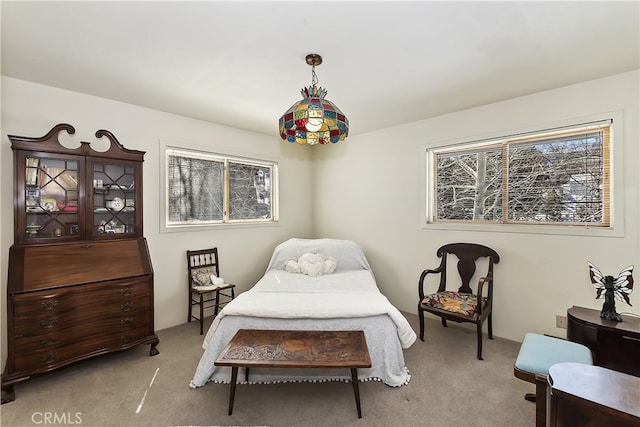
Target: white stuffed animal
[
  {"x": 311, "y": 264},
  {"x": 293, "y": 266}
]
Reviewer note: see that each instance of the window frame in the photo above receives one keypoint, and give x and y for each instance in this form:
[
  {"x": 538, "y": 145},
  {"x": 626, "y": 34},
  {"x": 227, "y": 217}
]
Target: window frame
[
  {"x": 616, "y": 158},
  {"x": 167, "y": 148}
]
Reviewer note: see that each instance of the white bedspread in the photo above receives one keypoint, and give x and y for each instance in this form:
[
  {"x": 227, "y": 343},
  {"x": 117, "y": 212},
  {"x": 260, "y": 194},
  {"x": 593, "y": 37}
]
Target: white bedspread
[
  {"x": 340, "y": 295},
  {"x": 347, "y": 299}
]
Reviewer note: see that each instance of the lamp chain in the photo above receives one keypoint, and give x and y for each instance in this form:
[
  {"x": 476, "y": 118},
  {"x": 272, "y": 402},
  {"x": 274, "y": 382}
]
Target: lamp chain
[{"x": 314, "y": 77}]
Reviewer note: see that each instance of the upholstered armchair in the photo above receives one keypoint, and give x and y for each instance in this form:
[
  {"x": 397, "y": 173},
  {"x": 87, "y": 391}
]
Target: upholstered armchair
[{"x": 463, "y": 304}]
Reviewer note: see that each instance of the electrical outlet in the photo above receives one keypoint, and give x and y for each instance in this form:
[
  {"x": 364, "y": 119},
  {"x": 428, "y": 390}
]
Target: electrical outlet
[{"x": 561, "y": 322}]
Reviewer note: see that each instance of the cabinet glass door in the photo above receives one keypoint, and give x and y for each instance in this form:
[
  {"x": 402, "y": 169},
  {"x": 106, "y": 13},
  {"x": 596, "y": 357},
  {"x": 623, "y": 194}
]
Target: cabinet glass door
[
  {"x": 51, "y": 198},
  {"x": 114, "y": 199}
]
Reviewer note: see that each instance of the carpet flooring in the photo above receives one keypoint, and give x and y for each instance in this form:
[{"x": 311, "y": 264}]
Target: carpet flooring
[{"x": 449, "y": 387}]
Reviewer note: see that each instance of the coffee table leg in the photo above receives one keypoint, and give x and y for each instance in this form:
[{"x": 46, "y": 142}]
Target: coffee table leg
[
  {"x": 234, "y": 378},
  {"x": 356, "y": 390}
]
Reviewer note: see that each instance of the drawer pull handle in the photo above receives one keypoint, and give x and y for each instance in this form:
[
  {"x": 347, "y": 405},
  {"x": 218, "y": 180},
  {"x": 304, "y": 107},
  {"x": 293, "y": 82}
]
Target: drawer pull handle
[
  {"x": 624, "y": 337},
  {"x": 49, "y": 305},
  {"x": 49, "y": 341},
  {"x": 49, "y": 358},
  {"x": 86, "y": 246},
  {"x": 126, "y": 321},
  {"x": 49, "y": 323},
  {"x": 126, "y": 338},
  {"x": 127, "y": 306},
  {"x": 125, "y": 291}
]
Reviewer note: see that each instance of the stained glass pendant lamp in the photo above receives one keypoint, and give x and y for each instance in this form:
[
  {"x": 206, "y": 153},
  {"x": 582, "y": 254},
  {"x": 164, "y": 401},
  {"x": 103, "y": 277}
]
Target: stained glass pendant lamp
[{"x": 314, "y": 119}]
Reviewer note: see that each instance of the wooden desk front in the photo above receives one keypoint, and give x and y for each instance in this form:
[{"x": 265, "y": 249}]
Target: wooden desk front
[{"x": 585, "y": 395}]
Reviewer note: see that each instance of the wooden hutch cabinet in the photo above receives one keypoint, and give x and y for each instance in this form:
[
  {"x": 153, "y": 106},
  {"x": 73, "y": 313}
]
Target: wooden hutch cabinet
[{"x": 80, "y": 280}]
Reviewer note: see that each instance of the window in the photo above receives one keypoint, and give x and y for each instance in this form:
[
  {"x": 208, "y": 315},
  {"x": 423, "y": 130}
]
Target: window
[
  {"x": 208, "y": 189},
  {"x": 559, "y": 177}
]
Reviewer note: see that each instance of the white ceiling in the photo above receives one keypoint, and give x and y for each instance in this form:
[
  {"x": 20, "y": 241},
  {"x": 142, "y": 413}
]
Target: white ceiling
[{"x": 241, "y": 63}]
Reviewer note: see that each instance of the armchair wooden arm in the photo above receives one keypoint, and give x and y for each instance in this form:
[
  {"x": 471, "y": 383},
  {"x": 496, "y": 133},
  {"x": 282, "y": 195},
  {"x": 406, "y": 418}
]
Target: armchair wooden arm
[
  {"x": 423, "y": 276},
  {"x": 488, "y": 279}
]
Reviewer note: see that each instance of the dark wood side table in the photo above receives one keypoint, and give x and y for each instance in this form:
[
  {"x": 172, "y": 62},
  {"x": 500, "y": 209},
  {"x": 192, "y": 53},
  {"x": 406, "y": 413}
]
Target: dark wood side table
[
  {"x": 585, "y": 395},
  {"x": 295, "y": 349},
  {"x": 615, "y": 345}
]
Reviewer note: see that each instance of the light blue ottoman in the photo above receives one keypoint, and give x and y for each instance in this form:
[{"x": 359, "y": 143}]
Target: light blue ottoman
[{"x": 537, "y": 354}]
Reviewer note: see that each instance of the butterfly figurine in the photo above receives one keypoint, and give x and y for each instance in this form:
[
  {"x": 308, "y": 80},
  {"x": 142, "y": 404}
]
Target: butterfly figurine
[{"x": 611, "y": 288}]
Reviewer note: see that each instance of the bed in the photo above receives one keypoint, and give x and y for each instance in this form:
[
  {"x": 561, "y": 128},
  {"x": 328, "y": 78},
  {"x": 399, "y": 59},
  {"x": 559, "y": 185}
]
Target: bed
[{"x": 344, "y": 296}]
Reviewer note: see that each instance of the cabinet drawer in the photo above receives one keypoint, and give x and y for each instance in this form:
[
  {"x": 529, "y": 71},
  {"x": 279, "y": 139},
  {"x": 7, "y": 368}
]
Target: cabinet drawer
[
  {"x": 48, "y": 358},
  {"x": 619, "y": 351},
  {"x": 85, "y": 321},
  {"x": 78, "y": 297}
]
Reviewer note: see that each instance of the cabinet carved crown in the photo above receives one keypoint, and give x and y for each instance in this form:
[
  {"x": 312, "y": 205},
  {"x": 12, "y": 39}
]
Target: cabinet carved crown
[{"x": 67, "y": 194}]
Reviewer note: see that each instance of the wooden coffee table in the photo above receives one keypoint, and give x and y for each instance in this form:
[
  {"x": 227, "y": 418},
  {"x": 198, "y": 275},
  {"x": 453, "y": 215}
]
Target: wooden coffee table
[{"x": 251, "y": 348}]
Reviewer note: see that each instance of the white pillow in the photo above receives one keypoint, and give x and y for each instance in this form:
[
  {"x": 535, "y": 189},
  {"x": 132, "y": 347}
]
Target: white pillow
[{"x": 202, "y": 276}]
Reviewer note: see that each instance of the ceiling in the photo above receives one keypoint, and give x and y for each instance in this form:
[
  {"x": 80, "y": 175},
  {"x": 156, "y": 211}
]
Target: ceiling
[{"x": 241, "y": 63}]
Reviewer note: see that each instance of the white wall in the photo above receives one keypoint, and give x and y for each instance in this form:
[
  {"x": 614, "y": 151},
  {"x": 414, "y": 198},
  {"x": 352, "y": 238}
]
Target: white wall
[
  {"x": 369, "y": 189},
  {"x": 32, "y": 110}
]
